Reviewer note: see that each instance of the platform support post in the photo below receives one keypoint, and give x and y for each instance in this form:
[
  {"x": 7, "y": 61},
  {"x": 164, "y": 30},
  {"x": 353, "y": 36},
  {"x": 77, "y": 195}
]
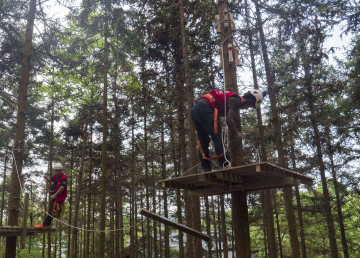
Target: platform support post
[{"x": 24, "y": 222}]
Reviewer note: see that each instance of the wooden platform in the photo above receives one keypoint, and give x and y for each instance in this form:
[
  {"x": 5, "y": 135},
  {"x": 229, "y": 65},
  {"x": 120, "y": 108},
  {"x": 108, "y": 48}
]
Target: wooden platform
[
  {"x": 16, "y": 231},
  {"x": 252, "y": 177}
]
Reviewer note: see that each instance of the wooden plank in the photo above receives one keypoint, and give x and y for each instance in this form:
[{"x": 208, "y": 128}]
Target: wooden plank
[
  {"x": 24, "y": 223},
  {"x": 278, "y": 171},
  {"x": 301, "y": 175},
  {"x": 230, "y": 177},
  {"x": 173, "y": 224},
  {"x": 41, "y": 230},
  {"x": 212, "y": 179}
]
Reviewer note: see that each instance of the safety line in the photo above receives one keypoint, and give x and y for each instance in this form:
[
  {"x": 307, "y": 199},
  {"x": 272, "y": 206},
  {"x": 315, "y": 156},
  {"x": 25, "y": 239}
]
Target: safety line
[
  {"x": 225, "y": 132},
  {"x": 190, "y": 169}
]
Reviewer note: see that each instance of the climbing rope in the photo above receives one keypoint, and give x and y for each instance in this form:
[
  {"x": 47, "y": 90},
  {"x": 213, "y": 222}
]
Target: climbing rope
[
  {"x": 62, "y": 222},
  {"x": 225, "y": 132}
]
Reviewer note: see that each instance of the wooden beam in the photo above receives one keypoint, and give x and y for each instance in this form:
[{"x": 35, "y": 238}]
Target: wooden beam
[
  {"x": 252, "y": 186},
  {"x": 16, "y": 231},
  {"x": 178, "y": 185},
  {"x": 6, "y": 234},
  {"x": 24, "y": 223},
  {"x": 207, "y": 192},
  {"x": 173, "y": 224},
  {"x": 284, "y": 169},
  {"x": 266, "y": 184},
  {"x": 306, "y": 181}
]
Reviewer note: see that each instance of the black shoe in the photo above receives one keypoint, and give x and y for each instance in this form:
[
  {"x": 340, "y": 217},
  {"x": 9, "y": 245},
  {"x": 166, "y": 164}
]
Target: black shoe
[{"x": 206, "y": 169}]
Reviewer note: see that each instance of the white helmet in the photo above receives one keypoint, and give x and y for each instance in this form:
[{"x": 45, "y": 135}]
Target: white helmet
[
  {"x": 57, "y": 166},
  {"x": 258, "y": 95}
]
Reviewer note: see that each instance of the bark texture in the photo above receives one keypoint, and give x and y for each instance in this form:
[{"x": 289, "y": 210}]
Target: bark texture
[{"x": 19, "y": 141}]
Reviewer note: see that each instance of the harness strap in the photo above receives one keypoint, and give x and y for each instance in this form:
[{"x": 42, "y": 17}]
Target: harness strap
[
  {"x": 213, "y": 100},
  {"x": 204, "y": 156}
]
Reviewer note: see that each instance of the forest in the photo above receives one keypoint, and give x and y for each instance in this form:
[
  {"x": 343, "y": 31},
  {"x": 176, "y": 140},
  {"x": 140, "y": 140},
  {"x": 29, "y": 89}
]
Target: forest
[{"x": 106, "y": 87}]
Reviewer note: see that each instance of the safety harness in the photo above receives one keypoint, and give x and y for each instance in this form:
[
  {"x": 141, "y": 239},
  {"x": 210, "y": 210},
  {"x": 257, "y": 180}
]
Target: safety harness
[
  {"x": 213, "y": 100},
  {"x": 56, "y": 209}
]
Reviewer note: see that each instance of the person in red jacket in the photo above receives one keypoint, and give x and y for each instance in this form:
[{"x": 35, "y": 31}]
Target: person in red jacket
[
  {"x": 58, "y": 195},
  {"x": 205, "y": 115}
]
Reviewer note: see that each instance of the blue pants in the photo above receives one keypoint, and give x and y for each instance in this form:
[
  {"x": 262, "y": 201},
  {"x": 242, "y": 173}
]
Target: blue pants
[{"x": 203, "y": 118}]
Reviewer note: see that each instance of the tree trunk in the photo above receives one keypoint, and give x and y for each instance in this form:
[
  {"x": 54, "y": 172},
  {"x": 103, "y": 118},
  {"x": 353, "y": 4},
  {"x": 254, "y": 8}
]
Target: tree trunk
[
  {"x": 145, "y": 112},
  {"x": 103, "y": 152},
  {"x": 182, "y": 162},
  {"x": 60, "y": 243},
  {"x": 242, "y": 234},
  {"x": 74, "y": 239},
  {"x": 160, "y": 231},
  {"x": 215, "y": 230},
  {"x": 55, "y": 240},
  {"x": 136, "y": 227},
  {"x": 329, "y": 217},
  {"x": 51, "y": 154},
  {"x": 120, "y": 252},
  {"x": 74, "y": 244},
  {"x": 19, "y": 141},
  {"x": 70, "y": 200},
  {"x": 154, "y": 209},
  {"x": 239, "y": 199},
  {"x": 87, "y": 244},
  {"x": 193, "y": 209},
  {"x": 45, "y": 208},
  {"x": 265, "y": 229},
  {"x": 177, "y": 169},
  {"x": 132, "y": 191},
  {"x": 165, "y": 198},
  {"x": 320, "y": 161},
  {"x": 3, "y": 189},
  {"x": 338, "y": 203},
  {"x": 208, "y": 224},
  {"x": 93, "y": 234},
  {"x": 142, "y": 228},
  {"x": 277, "y": 130},
  {"x": 267, "y": 195},
  {"x": 219, "y": 223},
  {"x": 298, "y": 204}
]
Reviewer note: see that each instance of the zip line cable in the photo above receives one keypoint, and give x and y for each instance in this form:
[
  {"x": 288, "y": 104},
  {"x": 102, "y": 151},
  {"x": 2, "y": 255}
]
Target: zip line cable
[{"x": 62, "y": 222}]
